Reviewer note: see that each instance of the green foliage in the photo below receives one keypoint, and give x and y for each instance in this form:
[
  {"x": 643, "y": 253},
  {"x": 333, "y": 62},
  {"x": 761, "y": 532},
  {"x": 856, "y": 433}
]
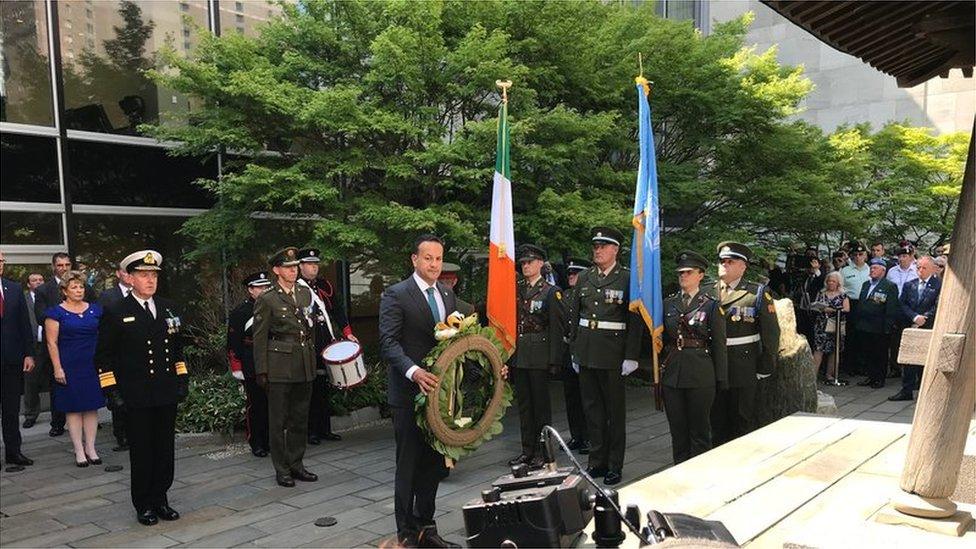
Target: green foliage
[
  {"x": 215, "y": 404},
  {"x": 458, "y": 410},
  {"x": 371, "y": 393}
]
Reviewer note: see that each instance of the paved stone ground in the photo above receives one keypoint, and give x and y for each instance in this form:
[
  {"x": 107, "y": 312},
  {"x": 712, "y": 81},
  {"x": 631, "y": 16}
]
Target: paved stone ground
[{"x": 229, "y": 498}]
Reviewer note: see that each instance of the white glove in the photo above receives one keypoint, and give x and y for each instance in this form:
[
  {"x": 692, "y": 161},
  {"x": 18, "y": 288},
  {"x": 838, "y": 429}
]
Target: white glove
[
  {"x": 762, "y": 376},
  {"x": 238, "y": 375},
  {"x": 628, "y": 367},
  {"x": 576, "y": 367}
]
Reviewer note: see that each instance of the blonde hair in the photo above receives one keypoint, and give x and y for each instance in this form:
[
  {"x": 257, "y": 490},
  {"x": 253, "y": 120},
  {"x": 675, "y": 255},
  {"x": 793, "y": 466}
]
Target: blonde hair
[
  {"x": 69, "y": 277},
  {"x": 840, "y": 280}
]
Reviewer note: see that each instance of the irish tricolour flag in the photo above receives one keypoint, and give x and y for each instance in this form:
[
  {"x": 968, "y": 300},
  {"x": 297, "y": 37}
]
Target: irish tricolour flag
[{"x": 501, "y": 251}]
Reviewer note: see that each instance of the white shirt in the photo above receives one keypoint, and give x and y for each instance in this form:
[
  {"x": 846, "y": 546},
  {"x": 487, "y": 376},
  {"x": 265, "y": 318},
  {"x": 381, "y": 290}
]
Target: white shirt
[
  {"x": 900, "y": 276},
  {"x": 150, "y": 301},
  {"x": 422, "y": 284}
]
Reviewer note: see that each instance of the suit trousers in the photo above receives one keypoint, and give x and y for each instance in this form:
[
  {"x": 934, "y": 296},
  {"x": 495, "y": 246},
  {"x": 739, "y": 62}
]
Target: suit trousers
[
  {"x": 256, "y": 415},
  {"x": 419, "y": 471},
  {"x": 688, "y": 412},
  {"x": 605, "y": 408},
  {"x": 119, "y": 426},
  {"x": 11, "y": 385},
  {"x": 873, "y": 355},
  {"x": 893, "y": 348},
  {"x": 574, "y": 404},
  {"x": 733, "y": 413},
  {"x": 152, "y": 434},
  {"x": 44, "y": 362},
  {"x": 288, "y": 424},
  {"x": 535, "y": 409},
  {"x": 319, "y": 412},
  {"x": 911, "y": 378},
  {"x": 35, "y": 382}
]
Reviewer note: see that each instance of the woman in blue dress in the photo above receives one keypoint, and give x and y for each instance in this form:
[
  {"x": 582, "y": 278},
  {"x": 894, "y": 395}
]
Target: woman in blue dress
[{"x": 72, "y": 333}]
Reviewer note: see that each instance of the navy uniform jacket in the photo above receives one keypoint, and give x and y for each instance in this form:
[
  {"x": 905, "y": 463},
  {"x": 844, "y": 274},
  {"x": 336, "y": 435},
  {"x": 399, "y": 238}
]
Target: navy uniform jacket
[
  {"x": 598, "y": 298},
  {"x": 140, "y": 355},
  {"x": 912, "y": 306},
  {"x": 540, "y": 325},
  {"x": 407, "y": 335},
  {"x": 240, "y": 337},
  {"x": 17, "y": 339},
  {"x": 749, "y": 312},
  {"x": 878, "y": 311},
  {"x": 704, "y": 364}
]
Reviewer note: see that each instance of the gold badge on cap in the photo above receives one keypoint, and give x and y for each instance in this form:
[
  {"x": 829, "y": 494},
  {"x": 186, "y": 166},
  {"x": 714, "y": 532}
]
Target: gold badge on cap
[
  {"x": 150, "y": 259},
  {"x": 683, "y": 257},
  {"x": 726, "y": 250},
  {"x": 290, "y": 253},
  {"x": 599, "y": 235}
]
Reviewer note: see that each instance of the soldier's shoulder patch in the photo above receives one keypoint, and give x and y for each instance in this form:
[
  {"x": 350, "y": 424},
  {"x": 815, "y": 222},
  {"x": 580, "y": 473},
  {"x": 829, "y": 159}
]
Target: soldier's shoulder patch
[
  {"x": 767, "y": 297},
  {"x": 559, "y": 295}
]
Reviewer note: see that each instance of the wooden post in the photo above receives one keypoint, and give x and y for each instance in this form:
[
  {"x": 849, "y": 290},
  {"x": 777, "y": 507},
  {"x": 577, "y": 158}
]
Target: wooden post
[{"x": 945, "y": 402}]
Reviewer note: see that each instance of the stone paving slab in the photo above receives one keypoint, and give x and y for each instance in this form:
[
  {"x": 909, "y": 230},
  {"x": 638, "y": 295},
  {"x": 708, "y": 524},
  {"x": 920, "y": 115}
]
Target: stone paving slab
[{"x": 229, "y": 498}]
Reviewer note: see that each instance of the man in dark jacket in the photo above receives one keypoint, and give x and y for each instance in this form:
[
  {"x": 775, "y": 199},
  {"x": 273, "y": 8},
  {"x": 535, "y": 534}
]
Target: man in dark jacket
[
  {"x": 409, "y": 310},
  {"x": 919, "y": 300},
  {"x": 18, "y": 347},
  {"x": 878, "y": 314},
  {"x": 240, "y": 354},
  {"x": 108, "y": 299},
  {"x": 141, "y": 369}
]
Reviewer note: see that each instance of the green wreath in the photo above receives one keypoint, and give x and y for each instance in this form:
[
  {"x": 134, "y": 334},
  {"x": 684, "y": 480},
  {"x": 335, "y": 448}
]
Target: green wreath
[{"x": 448, "y": 420}]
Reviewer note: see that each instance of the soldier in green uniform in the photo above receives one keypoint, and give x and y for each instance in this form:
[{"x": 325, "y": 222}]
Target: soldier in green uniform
[
  {"x": 284, "y": 363},
  {"x": 539, "y": 350},
  {"x": 605, "y": 346},
  {"x": 578, "y": 440},
  {"x": 696, "y": 359},
  {"x": 752, "y": 338}
]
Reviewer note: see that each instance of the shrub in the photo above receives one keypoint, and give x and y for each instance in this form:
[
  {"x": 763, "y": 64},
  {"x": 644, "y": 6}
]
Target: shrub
[{"x": 215, "y": 404}]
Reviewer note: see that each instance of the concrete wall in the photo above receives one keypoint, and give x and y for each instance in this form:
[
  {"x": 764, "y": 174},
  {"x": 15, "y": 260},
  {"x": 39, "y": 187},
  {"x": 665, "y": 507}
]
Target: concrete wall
[{"x": 847, "y": 90}]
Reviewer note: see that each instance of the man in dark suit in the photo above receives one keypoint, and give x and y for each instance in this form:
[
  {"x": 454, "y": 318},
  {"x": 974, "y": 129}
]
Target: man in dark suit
[
  {"x": 34, "y": 381},
  {"x": 46, "y": 296},
  {"x": 141, "y": 368},
  {"x": 878, "y": 313},
  {"x": 111, "y": 298},
  {"x": 408, "y": 312},
  {"x": 919, "y": 300},
  {"x": 17, "y": 350}
]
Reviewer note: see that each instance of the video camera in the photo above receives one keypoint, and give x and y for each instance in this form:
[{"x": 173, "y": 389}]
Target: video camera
[{"x": 551, "y": 506}]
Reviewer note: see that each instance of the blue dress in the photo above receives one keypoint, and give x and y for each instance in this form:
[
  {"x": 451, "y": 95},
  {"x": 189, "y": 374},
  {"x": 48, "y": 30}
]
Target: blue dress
[{"x": 77, "y": 338}]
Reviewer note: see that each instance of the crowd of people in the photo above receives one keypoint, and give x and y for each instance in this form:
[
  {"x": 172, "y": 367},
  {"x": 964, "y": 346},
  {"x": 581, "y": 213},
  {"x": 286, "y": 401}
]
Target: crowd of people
[{"x": 853, "y": 309}]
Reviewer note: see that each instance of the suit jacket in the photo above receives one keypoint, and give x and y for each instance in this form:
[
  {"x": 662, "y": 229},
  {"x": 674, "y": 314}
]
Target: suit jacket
[
  {"x": 912, "y": 306},
  {"x": 15, "y": 331},
  {"x": 878, "y": 310},
  {"x": 284, "y": 343},
  {"x": 110, "y": 297},
  {"x": 407, "y": 334},
  {"x": 140, "y": 355},
  {"x": 32, "y": 315},
  {"x": 749, "y": 310},
  {"x": 598, "y": 298}
]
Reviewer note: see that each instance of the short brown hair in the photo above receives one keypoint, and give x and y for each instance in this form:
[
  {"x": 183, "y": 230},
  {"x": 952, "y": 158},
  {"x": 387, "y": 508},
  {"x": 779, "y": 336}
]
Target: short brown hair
[{"x": 70, "y": 277}]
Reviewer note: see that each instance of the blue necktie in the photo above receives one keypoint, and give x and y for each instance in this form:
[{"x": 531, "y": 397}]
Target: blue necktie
[{"x": 433, "y": 305}]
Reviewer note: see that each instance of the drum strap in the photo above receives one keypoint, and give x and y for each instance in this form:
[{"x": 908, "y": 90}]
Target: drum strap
[{"x": 321, "y": 305}]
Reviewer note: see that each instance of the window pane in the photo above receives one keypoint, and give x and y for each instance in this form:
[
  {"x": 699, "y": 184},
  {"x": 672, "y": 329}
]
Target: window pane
[
  {"x": 105, "y": 46},
  {"x": 31, "y": 228},
  {"x": 245, "y": 17},
  {"x": 28, "y": 169},
  {"x": 127, "y": 175},
  {"x": 25, "y": 93},
  {"x": 681, "y": 9}
]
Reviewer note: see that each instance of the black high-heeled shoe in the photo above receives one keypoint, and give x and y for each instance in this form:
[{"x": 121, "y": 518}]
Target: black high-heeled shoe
[
  {"x": 82, "y": 463},
  {"x": 96, "y": 461}
]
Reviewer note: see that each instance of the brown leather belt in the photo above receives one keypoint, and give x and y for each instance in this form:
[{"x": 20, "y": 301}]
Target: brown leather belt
[{"x": 688, "y": 343}]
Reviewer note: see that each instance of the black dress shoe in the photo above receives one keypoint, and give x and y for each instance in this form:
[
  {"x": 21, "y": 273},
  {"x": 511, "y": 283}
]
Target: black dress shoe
[
  {"x": 865, "y": 383},
  {"x": 260, "y": 452},
  {"x": 314, "y": 440},
  {"x": 878, "y": 384},
  {"x": 19, "y": 459},
  {"x": 331, "y": 436},
  {"x": 29, "y": 422},
  {"x": 519, "y": 460},
  {"x": 613, "y": 477},
  {"x": 304, "y": 475},
  {"x": 285, "y": 480},
  {"x": 56, "y": 431},
  {"x": 407, "y": 540},
  {"x": 596, "y": 472},
  {"x": 147, "y": 518},
  {"x": 166, "y": 512},
  {"x": 901, "y": 395},
  {"x": 122, "y": 447},
  {"x": 584, "y": 448},
  {"x": 428, "y": 537},
  {"x": 574, "y": 444}
]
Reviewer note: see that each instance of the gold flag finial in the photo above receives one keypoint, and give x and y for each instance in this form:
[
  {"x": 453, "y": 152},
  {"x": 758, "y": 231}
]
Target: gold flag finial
[
  {"x": 504, "y": 85},
  {"x": 640, "y": 77}
]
